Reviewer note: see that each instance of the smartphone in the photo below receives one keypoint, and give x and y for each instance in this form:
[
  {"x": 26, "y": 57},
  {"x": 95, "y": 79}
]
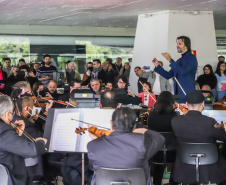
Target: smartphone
[{"x": 147, "y": 67}]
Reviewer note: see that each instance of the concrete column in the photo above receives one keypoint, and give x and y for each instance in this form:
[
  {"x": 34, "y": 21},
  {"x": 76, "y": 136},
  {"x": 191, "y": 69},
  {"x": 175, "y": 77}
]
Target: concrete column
[{"x": 157, "y": 33}]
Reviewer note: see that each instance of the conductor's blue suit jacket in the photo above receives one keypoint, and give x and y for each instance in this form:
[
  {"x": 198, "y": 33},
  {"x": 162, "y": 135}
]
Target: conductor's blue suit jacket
[{"x": 184, "y": 69}]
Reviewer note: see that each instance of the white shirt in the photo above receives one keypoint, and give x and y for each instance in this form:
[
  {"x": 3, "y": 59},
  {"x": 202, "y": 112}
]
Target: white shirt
[
  {"x": 146, "y": 99},
  {"x": 156, "y": 87}
]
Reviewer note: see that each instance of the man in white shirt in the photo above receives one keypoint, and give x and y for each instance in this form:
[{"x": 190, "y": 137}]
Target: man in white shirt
[{"x": 158, "y": 83}]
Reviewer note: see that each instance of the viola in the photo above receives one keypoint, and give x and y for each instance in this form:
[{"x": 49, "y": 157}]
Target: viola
[
  {"x": 183, "y": 109},
  {"x": 94, "y": 130}
]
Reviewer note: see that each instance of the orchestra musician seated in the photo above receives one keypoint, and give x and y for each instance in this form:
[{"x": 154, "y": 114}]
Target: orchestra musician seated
[
  {"x": 95, "y": 86},
  {"x": 26, "y": 111},
  {"x": 124, "y": 95},
  {"x": 138, "y": 145},
  {"x": 197, "y": 128},
  {"x": 74, "y": 84},
  {"x": 71, "y": 169},
  {"x": 159, "y": 120},
  {"x": 14, "y": 148}
]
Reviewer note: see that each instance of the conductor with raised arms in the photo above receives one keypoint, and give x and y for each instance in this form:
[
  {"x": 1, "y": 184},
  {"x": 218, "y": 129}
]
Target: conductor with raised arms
[{"x": 183, "y": 70}]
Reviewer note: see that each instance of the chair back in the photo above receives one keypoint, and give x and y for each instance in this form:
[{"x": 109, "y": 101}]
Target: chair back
[
  {"x": 187, "y": 153},
  {"x": 170, "y": 141},
  {"x": 111, "y": 176},
  {"x": 4, "y": 176}
]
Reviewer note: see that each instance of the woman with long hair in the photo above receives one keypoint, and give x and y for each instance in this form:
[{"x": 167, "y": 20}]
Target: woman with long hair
[
  {"x": 160, "y": 120},
  {"x": 221, "y": 79},
  {"x": 148, "y": 98},
  {"x": 208, "y": 77}
]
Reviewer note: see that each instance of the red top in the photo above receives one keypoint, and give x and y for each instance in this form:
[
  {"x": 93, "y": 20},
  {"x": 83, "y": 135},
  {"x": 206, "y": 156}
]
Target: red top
[{"x": 151, "y": 101}]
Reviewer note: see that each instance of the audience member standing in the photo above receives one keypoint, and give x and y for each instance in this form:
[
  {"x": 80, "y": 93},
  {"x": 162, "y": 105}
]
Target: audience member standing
[
  {"x": 158, "y": 83},
  {"x": 221, "y": 80},
  {"x": 96, "y": 69},
  {"x": 208, "y": 77},
  {"x": 7, "y": 67},
  {"x": 118, "y": 68},
  {"x": 3, "y": 78},
  {"x": 45, "y": 73},
  {"x": 137, "y": 71},
  {"x": 126, "y": 70}
]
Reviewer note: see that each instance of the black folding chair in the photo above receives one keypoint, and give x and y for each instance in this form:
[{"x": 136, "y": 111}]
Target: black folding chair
[{"x": 197, "y": 154}]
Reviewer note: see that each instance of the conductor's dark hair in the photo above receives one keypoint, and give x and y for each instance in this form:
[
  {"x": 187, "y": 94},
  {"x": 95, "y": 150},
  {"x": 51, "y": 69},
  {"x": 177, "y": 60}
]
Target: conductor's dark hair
[
  {"x": 124, "y": 119},
  {"x": 46, "y": 56},
  {"x": 218, "y": 70},
  {"x": 164, "y": 103},
  {"x": 97, "y": 60},
  {"x": 186, "y": 40},
  {"x": 109, "y": 99}
]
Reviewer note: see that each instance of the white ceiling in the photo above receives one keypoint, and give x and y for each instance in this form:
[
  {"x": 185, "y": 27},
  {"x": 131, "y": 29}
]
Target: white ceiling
[{"x": 101, "y": 13}]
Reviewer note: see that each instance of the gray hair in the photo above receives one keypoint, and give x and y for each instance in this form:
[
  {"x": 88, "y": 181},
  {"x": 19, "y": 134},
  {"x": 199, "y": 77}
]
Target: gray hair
[
  {"x": 94, "y": 79},
  {"x": 73, "y": 63},
  {"x": 6, "y": 104}
]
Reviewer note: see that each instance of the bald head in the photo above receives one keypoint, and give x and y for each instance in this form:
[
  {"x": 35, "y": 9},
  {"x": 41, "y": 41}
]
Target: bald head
[{"x": 52, "y": 86}]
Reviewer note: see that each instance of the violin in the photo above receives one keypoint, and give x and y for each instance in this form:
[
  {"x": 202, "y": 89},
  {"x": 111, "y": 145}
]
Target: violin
[
  {"x": 183, "y": 109},
  {"x": 18, "y": 129},
  {"x": 219, "y": 106},
  {"x": 94, "y": 130},
  {"x": 60, "y": 102}
]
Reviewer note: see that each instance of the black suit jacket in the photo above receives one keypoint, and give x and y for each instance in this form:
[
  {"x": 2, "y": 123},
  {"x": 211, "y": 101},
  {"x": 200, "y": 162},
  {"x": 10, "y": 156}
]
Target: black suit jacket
[
  {"x": 13, "y": 150},
  {"x": 124, "y": 150},
  {"x": 196, "y": 128}
]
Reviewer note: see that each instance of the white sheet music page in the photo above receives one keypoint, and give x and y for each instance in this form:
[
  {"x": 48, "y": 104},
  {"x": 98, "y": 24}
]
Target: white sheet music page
[
  {"x": 100, "y": 117},
  {"x": 63, "y": 134}
]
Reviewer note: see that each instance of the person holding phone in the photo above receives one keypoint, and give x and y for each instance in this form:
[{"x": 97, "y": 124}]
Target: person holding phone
[{"x": 158, "y": 83}]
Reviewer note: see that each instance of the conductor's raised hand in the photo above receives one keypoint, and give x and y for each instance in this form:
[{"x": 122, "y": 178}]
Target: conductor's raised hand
[
  {"x": 155, "y": 62},
  {"x": 166, "y": 56}
]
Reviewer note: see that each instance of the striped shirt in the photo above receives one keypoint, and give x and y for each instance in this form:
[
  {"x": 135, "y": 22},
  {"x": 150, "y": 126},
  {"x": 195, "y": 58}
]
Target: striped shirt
[{"x": 44, "y": 72}]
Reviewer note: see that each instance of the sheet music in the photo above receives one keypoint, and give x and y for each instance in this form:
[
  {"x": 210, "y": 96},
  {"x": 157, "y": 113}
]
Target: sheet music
[
  {"x": 100, "y": 117},
  {"x": 218, "y": 115},
  {"x": 64, "y": 137}
]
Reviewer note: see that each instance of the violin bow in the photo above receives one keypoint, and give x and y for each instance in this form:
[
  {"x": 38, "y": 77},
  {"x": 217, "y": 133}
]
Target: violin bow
[
  {"x": 147, "y": 91},
  {"x": 89, "y": 124},
  {"x": 180, "y": 86}
]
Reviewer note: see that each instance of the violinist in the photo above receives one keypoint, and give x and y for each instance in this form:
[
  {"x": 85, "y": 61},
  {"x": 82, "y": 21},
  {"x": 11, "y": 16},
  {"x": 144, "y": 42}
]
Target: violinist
[
  {"x": 71, "y": 169},
  {"x": 52, "y": 90},
  {"x": 95, "y": 85},
  {"x": 159, "y": 120},
  {"x": 197, "y": 128},
  {"x": 126, "y": 96},
  {"x": 139, "y": 145},
  {"x": 148, "y": 98},
  {"x": 14, "y": 147},
  {"x": 74, "y": 84},
  {"x": 26, "y": 111}
]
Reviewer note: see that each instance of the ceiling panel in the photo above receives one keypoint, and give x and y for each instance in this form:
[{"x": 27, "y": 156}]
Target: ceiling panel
[{"x": 106, "y": 13}]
